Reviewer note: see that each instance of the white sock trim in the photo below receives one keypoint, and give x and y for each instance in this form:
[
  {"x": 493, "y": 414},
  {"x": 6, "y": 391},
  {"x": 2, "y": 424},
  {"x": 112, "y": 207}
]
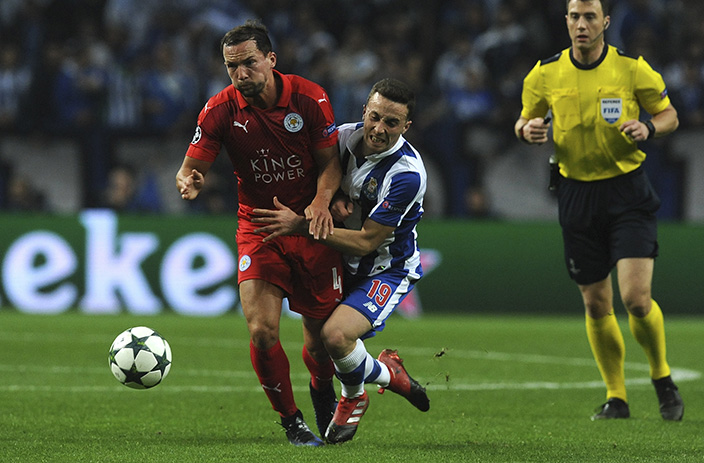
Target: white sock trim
[{"x": 353, "y": 359}]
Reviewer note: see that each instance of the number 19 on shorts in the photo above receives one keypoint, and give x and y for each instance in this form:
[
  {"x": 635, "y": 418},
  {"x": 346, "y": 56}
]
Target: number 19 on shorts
[{"x": 380, "y": 292}]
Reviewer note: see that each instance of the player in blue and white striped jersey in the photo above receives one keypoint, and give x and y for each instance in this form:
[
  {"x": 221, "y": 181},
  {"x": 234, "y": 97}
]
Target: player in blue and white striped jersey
[
  {"x": 386, "y": 188},
  {"x": 380, "y": 203}
]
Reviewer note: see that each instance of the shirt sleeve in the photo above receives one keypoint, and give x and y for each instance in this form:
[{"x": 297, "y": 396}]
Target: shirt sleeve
[
  {"x": 324, "y": 133},
  {"x": 534, "y": 100},
  {"x": 207, "y": 140},
  {"x": 403, "y": 193},
  {"x": 650, "y": 88}
]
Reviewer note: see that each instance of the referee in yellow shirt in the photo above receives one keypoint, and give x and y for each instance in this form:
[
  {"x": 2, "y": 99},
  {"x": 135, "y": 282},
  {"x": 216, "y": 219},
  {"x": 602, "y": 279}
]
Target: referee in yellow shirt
[{"x": 594, "y": 93}]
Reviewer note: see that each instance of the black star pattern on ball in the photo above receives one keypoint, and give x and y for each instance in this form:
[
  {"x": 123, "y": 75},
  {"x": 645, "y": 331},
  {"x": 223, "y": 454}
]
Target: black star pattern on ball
[
  {"x": 139, "y": 344},
  {"x": 161, "y": 363}
]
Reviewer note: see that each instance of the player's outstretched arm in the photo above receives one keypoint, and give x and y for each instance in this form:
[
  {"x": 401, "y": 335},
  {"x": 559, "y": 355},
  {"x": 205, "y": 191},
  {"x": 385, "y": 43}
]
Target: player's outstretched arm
[
  {"x": 190, "y": 178},
  {"x": 284, "y": 221},
  {"x": 359, "y": 242}
]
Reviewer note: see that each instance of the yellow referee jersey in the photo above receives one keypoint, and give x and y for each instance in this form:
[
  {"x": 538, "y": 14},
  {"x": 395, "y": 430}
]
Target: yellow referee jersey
[{"x": 588, "y": 105}]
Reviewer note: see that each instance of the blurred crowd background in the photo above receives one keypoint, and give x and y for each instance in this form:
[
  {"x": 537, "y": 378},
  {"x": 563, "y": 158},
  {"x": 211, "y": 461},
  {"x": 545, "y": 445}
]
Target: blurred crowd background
[{"x": 105, "y": 93}]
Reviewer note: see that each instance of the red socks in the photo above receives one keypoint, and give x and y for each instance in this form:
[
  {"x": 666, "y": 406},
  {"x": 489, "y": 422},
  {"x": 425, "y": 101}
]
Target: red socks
[
  {"x": 273, "y": 371},
  {"x": 321, "y": 374}
]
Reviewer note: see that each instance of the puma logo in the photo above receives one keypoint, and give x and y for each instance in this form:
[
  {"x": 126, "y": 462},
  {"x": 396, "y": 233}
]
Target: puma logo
[
  {"x": 275, "y": 388},
  {"x": 244, "y": 127}
]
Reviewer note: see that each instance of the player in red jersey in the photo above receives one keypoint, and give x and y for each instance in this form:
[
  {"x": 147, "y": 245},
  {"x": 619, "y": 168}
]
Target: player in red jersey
[{"x": 279, "y": 132}]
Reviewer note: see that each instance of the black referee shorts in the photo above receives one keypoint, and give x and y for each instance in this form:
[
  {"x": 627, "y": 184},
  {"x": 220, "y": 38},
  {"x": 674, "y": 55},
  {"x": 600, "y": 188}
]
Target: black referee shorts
[{"x": 605, "y": 221}]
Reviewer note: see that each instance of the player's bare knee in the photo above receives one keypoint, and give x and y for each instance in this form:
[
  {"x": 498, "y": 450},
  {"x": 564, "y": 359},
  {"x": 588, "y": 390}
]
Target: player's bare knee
[
  {"x": 597, "y": 308},
  {"x": 263, "y": 336},
  {"x": 334, "y": 339},
  {"x": 637, "y": 306}
]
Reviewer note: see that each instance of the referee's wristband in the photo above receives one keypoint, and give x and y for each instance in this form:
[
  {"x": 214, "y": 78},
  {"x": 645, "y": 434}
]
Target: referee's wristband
[{"x": 651, "y": 128}]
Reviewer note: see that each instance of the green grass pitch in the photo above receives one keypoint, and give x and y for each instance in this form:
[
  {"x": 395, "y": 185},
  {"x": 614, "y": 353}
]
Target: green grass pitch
[{"x": 502, "y": 389}]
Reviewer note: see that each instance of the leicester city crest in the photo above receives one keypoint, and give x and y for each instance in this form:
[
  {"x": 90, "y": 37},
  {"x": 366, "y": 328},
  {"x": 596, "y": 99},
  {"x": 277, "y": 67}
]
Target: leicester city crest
[
  {"x": 611, "y": 109},
  {"x": 293, "y": 122}
]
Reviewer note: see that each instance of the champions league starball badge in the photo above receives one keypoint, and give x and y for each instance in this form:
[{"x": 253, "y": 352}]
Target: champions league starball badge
[{"x": 196, "y": 136}]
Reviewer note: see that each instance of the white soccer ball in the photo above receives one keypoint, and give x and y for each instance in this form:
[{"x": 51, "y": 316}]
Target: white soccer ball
[{"x": 140, "y": 358}]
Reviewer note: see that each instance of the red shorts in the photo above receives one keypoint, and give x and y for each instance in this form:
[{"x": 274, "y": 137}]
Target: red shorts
[{"x": 308, "y": 272}]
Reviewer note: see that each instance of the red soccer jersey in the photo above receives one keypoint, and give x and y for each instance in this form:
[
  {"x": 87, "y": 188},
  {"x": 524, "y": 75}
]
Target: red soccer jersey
[{"x": 270, "y": 149}]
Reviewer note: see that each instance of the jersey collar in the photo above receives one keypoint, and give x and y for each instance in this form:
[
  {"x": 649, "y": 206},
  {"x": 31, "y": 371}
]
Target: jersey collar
[
  {"x": 586, "y": 67},
  {"x": 284, "y": 98}
]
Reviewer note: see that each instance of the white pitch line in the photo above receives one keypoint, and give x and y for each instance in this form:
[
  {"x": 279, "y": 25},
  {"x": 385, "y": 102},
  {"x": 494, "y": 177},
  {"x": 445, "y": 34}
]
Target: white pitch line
[
  {"x": 679, "y": 374},
  {"x": 30, "y": 337},
  {"x": 522, "y": 358},
  {"x": 39, "y": 369}
]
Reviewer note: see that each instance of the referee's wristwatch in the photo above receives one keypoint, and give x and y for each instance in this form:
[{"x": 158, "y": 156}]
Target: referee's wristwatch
[{"x": 651, "y": 128}]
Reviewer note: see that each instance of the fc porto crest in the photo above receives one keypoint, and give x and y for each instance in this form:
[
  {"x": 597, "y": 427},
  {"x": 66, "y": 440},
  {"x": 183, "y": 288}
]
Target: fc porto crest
[
  {"x": 611, "y": 109},
  {"x": 293, "y": 122},
  {"x": 370, "y": 188}
]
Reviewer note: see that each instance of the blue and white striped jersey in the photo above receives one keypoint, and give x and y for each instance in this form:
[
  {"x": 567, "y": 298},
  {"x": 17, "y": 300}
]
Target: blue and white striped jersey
[{"x": 388, "y": 188}]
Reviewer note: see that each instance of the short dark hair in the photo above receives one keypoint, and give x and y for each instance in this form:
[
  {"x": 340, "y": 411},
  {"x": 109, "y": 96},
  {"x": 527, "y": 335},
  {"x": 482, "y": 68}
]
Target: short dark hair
[
  {"x": 605, "y": 5},
  {"x": 396, "y": 91},
  {"x": 250, "y": 30}
]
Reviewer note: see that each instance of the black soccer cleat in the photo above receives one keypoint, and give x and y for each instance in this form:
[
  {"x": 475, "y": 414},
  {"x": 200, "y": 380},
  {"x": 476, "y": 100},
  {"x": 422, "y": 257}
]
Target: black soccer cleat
[
  {"x": 324, "y": 405},
  {"x": 612, "y": 409},
  {"x": 671, "y": 404},
  {"x": 298, "y": 432}
]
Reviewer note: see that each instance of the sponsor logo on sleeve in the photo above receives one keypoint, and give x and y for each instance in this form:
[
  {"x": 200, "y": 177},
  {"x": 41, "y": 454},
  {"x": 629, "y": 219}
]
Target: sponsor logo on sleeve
[
  {"x": 391, "y": 207},
  {"x": 329, "y": 130}
]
